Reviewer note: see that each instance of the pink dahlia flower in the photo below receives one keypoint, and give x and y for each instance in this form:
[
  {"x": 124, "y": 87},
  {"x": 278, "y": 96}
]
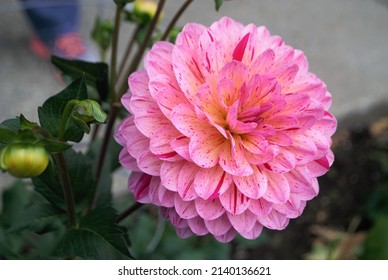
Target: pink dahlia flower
[{"x": 228, "y": 131}]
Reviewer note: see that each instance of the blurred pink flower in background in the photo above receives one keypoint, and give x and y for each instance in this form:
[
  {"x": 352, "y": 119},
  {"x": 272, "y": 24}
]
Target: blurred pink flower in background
[{"x": 228, "y": 131}]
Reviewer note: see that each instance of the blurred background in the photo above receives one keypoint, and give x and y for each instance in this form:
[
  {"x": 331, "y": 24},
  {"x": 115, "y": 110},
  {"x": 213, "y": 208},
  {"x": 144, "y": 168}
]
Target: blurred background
[{"x": 346, "y": 44}]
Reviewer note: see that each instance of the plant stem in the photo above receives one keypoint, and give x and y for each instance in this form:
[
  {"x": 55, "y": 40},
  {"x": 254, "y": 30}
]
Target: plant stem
[
  {"x": 113, "y": 60},
  {"x": 128, "y": 211},
  {"x": 66, "y": 186},
  {"x": 138, "y": 56},
  {"x": 175, "y": 19}
]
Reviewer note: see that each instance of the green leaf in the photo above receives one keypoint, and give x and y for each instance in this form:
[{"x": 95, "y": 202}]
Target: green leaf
[
  {"x": 376, "y": 244},
  {"x": 96, "y": 74},
  {"x": 50, "y": 112},
  {"x": 53, "y": 145},
  {"x": 98, "y": 237},
  {"x": 80, "y": 171},
  {"x": 104, "y": 194},
  {"x": 13, "y": 124},
  {"x": 40, "y": 218},
  {"x": 7, "y": 135},
  {"x": 14, "y": 199},
  {"x": 218, "y": 4},
  {"x": 26, "y": 124}
]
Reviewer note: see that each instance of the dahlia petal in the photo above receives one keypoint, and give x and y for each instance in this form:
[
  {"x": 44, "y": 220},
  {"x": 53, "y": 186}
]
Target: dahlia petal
[
  {"x": 284, "y": 122},
  {"x": 254, "y": 142},
  {"x": 122, "y": 131},
  {"x": 278, "y": 190},
  {"x": 233, "y": 160},
  {"x": 205, "y": 149},
  {"x": 209, "y": 183},
  {"x": 187, "y": 72},
  {"x": 184, "y": 232},
  {"x": 234, "y": 201},
  {"x": 227, "y": 31},
  {"x": 147, "y": 115},
  {"x": 274, "y": 220},
  {"x": 158, "y": 60},
  {"x": 234, "y": 71},
  {"x": 185, "y": 209},
  {"x": 226, "y": 93},
  {"x": 303, "y": 149},
  {"x": 301, "y": 60},
  {"x": 283, "y": 162},
  {"x": 139, "y": 183},
  {"x": 227, "y": 237},
  {"x": 253, "y": 186},
  {"x": 209, "y": 209},
  {"x": 169, "y": 174},
  {"x": 215, "y": 58},
  {"x": 149, "y": 163},
  {"x": 319, "y": 167},
  {"x": 300, "y": 183},
  {"x": 138, "y": 83},
  {"x": 250, "y": 50},
  {"x": 126, "y": 100},
  {"x": 266, "y": 40},
  {"x": 262, "y": 63},
  {"x": 265, "y": 157},
  {"x": 175, "y": 219},
  {"x": 280, "y": 139},
  {"x": 185, "y": 182},
  {"x": 197, "y": 225},
  {"x": 186, "y": 121},
  {"x": 160, "y": 143},
  {"x": 239, "y": 51},
  {"x": 218, "y": 226},
  {"x": 190, "y": 35},
  {"x": 254, "y": 232},
  {"x": 159, "y": 195},
  {"x": 181, "y": 146},
  {"x": 260, "y": 207},
  {"x": 237, "y": 126},
  {"x": 243, "y": 222},
  {"x": 284, "y": 56},
  {"x": 206, "y": 102},
  {"x": 296, "y": 102},
  {"x": 166, "y": 197},
  {"x": 327, "y": 125},
  {"x": 166, "y": 93},
  {"x": 293, "y": 208},
  {"x": 128, "y": 161},
  {"x": 287, "y": 76}
]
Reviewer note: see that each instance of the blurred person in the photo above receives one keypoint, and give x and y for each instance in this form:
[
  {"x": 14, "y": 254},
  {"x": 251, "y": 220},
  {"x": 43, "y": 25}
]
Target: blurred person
[{"x": 56, "y": 29}]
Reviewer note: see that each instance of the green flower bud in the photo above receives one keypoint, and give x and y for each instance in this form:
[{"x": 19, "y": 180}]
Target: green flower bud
[
  {"x": 24, "y": 160},
  {"x": 146, "y": 10}
]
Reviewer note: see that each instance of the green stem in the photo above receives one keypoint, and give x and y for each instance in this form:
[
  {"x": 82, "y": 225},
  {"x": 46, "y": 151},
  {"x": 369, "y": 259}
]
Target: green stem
[
  {"x": 65, "y": 118},
  {"x": 138, "y": 56},
  {"x": 66, "y": 186},
  {"x": 128, "y": 211},
  {"x": 113, "y": 60},
  {"x": 175, "y": 19}
]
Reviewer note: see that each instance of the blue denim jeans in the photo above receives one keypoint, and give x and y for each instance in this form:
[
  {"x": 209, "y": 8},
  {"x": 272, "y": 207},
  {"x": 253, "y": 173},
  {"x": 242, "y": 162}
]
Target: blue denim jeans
[{"x": 51, "y": 18}]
